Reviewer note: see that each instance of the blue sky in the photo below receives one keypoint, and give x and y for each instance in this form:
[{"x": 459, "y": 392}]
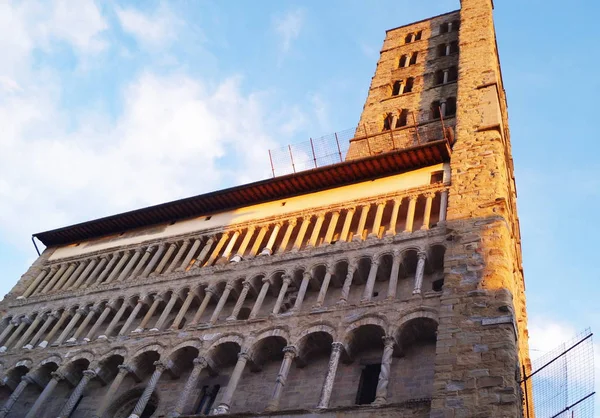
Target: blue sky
[{"x": 111, "y": 106}]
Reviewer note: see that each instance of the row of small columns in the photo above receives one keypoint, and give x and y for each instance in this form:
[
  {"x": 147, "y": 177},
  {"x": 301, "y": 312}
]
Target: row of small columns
[
  {"x": 90, "y": 273},
  {"x": 191, "y": 384},
  {"x": 210, "y": 293}
]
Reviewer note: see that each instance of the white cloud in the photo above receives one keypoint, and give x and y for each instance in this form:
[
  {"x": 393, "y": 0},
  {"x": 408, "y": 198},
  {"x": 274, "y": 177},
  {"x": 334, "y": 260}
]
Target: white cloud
[
  {"x": 150, "y": 29},
  {"x": 288, "y": 27}
]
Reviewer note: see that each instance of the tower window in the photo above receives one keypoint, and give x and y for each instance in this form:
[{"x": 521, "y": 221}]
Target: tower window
[
  {"x": 447, "y": 49},
  {"x": 444, "y": 108},
  {"x": 444, "y": 28},
  {"x": 435, "y": 109},
  {"x": 367, "y": 386},
  {"x": 453, "y": 47},
  {"x": 449, "y": 27},
  {"x": 437, "y": 177},
  {"x": 403, "y": 61},
  {"x": 413, "y": 58},
  {"x": 397, "y": 89},
  {"x": 439, "y": 77},
  {"x": 402, "y": 118},
  {"x": 409, "y": 38},
  {"x": 452, "y": 74},
  {"x": 409, "y": 85},
  {"x": 418, "y": 35},
  {"x": 387, "y": 122},
  {"x": 450, "y": 107},
  {"x": 446, "y": 76}
]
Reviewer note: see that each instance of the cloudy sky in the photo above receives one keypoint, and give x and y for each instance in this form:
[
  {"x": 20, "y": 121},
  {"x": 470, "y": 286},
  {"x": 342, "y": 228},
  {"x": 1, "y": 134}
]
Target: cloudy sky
[{"x": 111, "y": 106}]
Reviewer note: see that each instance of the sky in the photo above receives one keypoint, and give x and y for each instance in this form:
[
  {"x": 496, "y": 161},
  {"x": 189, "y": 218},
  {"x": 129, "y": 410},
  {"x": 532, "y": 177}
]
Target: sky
[{"x": 112, "y": 106}]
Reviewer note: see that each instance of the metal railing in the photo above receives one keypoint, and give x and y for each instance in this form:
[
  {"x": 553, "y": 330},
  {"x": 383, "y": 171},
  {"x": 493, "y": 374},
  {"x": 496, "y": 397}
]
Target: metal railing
[{"x": 362, "y": 141}]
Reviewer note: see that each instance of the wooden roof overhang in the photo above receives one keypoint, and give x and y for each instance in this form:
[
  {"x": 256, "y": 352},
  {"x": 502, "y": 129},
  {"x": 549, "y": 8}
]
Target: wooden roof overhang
[{"x": 322, "y": 178}]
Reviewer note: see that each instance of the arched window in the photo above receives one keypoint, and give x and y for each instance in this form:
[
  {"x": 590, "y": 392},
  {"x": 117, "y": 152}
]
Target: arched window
[
  {"x": 413, "y": 58},
  {"x": 387, "y": 122},
  {"x": 409, "y": 85},
  {"x": 409, "y": 38},
  {"x": 418, "y": 35},
  {"x": 403, "y": 61},
  {"x": 402, "y": 118},
  {"x": 397, "y": 88}
]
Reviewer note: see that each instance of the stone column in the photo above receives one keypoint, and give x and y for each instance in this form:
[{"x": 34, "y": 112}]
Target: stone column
[
  {"x": 306, "y": 276},
  {"x": 107, "y": 310},
  {"x": 9, "y": 327},
  {"x": 215, "y": 254},
  {"x": 347, "y": 223},
  {"x": 190, "y": 255},
  {"x": 109, "y": 396},
  {"x": 159, "y": 252},
  {"x": 362, "y": 222},
  {"x": 184, "y": 308},
  {"x": 347, "y": 284},
  {"x": 139, "y": 266},
  {"x": 291, "y": 224},
  {"x": 314, "y": 237},
  {"x": 143, "y": 401},
  {"x": 260, "y": 298},
  {"x": 229, "y": 248},
  {"x": 164, "y": 260},
  {"x": 410, "y": 215},
  {"x": 165, "y": 313},
  {"x": 225, "y": 404},
  {"x": 335, "y": 215},
  {"x": 75, "y": 275},
  {"x": 54, "y": 278},
  {"x": 90, "y": 315},
  {"x": 427, "y": 213},
  {"x": 149, "y": 314},
  {"x": 384, "y": 374},
  {"x": 29, "y": 331},
  {"x": 64, "y": 277},
  {"x": 49, "y": 320},
  {"x": 132, "y": 262},
  {"x": 178, "y": 256},
  {"x": 334, "y": 359},
  {"x": 115, "y": 321},
  {"x": 301, "y": 233},
  {"x": 65, "y": 315},
  {"x": 243, "y": 246},
  {"x": 35, "y": 283},
  {"x": 78, "y": 314},
  {"x": 132, "y": 316},
  {"x": 93, "y": 276},
  {"x": 119, "y": 266},
  {"x": 68, "y": 407},
  {"x": 368, "y": 292},
  {"x": 34, "y": 412},
  {"x": 104, "y": 272},
  {"x": 258, "y": 241},
  {"x": 85, "y": 274},
  {"x": 393, "y": 284},
  {"x": 23, "y": 322},
  {"x": 200, "y": 364},
  {"x": 419, "y": 273},
  {"x": 207, "y": 247},
  {"x": 443, "y": 206},
  {"x": 240, "y": 301},
  {"x": 287, "y": 279},
  {"x": 222, "y": 300},
  {"x": 377, "y": 220},
  {"x": 14, "y": 396},
  {"x": 268, "y": 249},
  {"x": 289, "y": 352},
  {"x": 394, "y": 218},
  {"x": 323, "y": 289},
  {"x": 209, "y": 292}
]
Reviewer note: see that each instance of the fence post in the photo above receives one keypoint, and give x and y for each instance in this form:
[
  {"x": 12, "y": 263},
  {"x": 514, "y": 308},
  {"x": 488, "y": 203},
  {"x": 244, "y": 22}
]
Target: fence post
[
  {"x": 312, "y": 147},
  {"x": 338, "y": 145},
  {"x": 292, "y": 158},
  {"x": 271, "y": 159}
]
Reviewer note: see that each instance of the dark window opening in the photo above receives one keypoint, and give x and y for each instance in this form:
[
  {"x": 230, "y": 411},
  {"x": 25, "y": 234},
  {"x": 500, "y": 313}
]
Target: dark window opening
[
  {"x": 402, "y": 118},
  {"x": 455, "y": 25},
  {"x": 413, "y": 58},
  {"x": 418, "y": 35},
  {"x": 452, "y": 74},
  {"x": 387, "y": 122},
  {"x": 435, "y": 109},
  {"x": 441, "y": 50},
  {"x": 409, "y": 85},
  {"x": 375, "y": 294},
  {"x": 207, "y": 399},
  {"x": 436, "y": 177},
  {"x": 367, "y": 387},
  {"x": 409, "y": 38},
  {"x": 244, "y": 313},
  {"x": 454, "y": 47},
  {"x": 444, "y": 28},
  {"x": 402, "y": 62},
  {"x": 439, "y": 77},
  {"x": 396, "y": 88},
  {"x": 450, "y": 107},
  {"x": 437, "y": 285}
]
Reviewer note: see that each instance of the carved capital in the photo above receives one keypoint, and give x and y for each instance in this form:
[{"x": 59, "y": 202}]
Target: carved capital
[
  {"x": 28, "y": 379},
  {"x": 290, "y": 351},
  {"x": 90, "y": 374},
  {"x": 160, "y": 366},
  {"x": 125, "y": 369},
  {"x": 200, "y": 362},
  {"x": 337, "y": 347},
  {"x": 150, "y": 248},
  {"x": 422, "y": 255},
  {"x": 244, "y": 355},
  {"x": 389, "y": 341},
  {"x": 58, "y": 375},
  {"x": 26, "y": 319},
  {"x": 306, "y": 275},
  {"x": 82, "y": 311},
  {"x": 287, "y": 278}
]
